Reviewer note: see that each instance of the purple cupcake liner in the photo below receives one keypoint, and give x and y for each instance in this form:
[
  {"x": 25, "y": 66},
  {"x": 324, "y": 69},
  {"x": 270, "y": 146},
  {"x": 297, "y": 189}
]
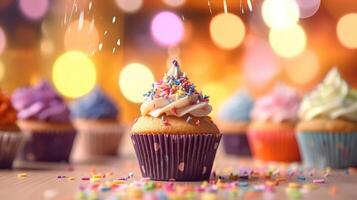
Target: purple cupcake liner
[
  {"x": 168, "y": 157},
  {"x": 10, "y": 144},
  {"x": 48, "y": 146},
  {"x": 236, "y": 144},
  {"x": 321, "y": 149}
]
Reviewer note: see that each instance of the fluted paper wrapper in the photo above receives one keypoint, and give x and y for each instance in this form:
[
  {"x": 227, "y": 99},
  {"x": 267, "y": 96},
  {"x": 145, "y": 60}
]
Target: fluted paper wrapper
[
  {"x": 169, "y": 157},
  {"x": 90, "y": 144},
  {"x": 274, "y": 145},
  {"x": 236, "y": 144},
  {"x": 48, "y": 146},
  {"x": 322, "y": 149},
  {"x": 10, "y": 144}
]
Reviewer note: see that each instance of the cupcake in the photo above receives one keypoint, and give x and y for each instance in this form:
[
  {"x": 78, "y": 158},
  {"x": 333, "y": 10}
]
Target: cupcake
[
  {"x": 99, "y": 132},
  {"x": 45, "y": 118},
  {"x": 271, "y": 133},
  {"x": 327, "y": 132},
  {"x": 174, "y": 139},
  {"x": 233, "y": 121},
  {"x": 11, "y": 137}
]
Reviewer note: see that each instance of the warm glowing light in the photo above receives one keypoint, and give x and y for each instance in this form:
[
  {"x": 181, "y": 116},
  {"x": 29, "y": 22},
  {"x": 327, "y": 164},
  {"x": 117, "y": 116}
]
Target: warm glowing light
[
  {"x": 167, "y": 28},
  {"x": 218, "y": 93},
  {"x": 2, "y": 41},
  {"x": 347, "y": 31},
  {"x": 81, "y": 35},
  {"x": 129, "y": 6},
  {"x": 2, "y": 70},
  {"x": 34, "y": 9},
  {"x": 308, "y": 7},
  {"x": 134, "y": 80},
  {"x": 280, "y": 13},
  {"x": 47, "y": 46},
  {"x": 227, "y": 30},
  {"x": 303, "y": 68},
  {"x": 288, "y": 42},
  {"x": 174, "y": 3},
  {"x": 74, "y": 74},
  {"x": 259, "y": 72}
]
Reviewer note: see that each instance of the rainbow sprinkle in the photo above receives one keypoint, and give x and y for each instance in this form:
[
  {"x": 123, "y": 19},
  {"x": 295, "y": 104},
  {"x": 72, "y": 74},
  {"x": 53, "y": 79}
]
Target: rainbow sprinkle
[{"x": 172, "y": 85}]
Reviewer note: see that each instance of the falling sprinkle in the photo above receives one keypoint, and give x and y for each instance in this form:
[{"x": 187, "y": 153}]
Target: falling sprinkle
[
  {"x": 225, "y": 6},
  {"x": 318, "y": 181},
  {"x": 189, "y": 119},
  {"x": 100, "y": 46},
  {"x": 91, "y": 26},
  {"x": 113, "y": 50},
  {"x": 209, "y": 6},
  {"x": 22, "y": 175},
  {"x": 183, "y": 18},
  {"x": 105, "y": 32},
  {"x": 114, "y": 19},
  {"x": 118, "y": 42},
  {"x": 250, "y": 5},
  {"x": 90, "y": 6},
  {"x": 81, "y": 21},
  {"x": 65, "y": 20}
]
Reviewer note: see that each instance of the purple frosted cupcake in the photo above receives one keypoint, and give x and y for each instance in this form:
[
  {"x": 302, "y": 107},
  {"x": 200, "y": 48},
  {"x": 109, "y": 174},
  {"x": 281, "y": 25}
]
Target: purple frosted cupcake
[
  {"x": 233, "y": 121},
  {"x": 45, "y": 118},
  {"x": 95, "y": 116}
]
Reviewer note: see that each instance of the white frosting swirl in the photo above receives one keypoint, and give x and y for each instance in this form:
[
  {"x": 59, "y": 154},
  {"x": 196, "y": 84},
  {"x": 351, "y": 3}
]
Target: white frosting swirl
[
  {"x": 175, "y": 96},
  {"x": 332, "y": 99}
]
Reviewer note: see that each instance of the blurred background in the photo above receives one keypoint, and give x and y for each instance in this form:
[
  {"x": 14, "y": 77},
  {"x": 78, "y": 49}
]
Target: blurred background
[{"x": 222, "y": 45}]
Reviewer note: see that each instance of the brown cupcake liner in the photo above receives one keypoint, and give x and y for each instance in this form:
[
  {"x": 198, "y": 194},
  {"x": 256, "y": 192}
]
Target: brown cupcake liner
[
  {"x": 176, "y": 157},
  {"x": 90, "y": 144},
  {"x": 48, "y": 146},
  {"x": 10, "y": 144}
]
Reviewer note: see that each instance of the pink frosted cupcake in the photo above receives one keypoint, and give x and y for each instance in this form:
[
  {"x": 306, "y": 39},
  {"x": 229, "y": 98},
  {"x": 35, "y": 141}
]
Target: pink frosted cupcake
[{"x": 272, "y": 131}]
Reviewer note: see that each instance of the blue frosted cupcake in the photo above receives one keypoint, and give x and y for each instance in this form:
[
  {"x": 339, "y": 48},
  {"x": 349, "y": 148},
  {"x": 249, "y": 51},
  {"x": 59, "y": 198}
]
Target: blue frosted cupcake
[
  {"x": 234, "y": 118},
  {"x": 327, "y": 133},
  {"x": 95, "y": 116}
]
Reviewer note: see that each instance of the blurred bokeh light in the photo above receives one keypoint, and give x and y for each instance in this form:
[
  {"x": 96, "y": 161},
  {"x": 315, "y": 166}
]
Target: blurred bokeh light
[
  {"x": 347, "y": 30},
  {"x": 167, "y": 28},
  {"x": 135, "y": 80},
  {"x": 289, "y": 41},
  {"x": 303, "y": 68},
  {"x": 227, "y": 30},
  {"x": 280, "y": 13},
  {"x": 174, "y": 3},
  {"x": 34, "y": 9},
  {"x": 308, "y": 7},
  {"x": 81, "y": 35},
  {"x": 74, "y": 74},
  {"x": 129, "y": 6}
]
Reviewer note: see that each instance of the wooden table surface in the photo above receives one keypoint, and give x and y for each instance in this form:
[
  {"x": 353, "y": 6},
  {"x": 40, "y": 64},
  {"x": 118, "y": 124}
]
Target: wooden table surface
[{"x": 44, "y": 183}]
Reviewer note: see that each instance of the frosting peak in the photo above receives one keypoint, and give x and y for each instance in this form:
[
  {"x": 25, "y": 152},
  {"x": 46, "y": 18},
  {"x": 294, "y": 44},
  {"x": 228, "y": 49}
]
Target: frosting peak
[
  {"x": 237, "y": 108},
  {"x": 95, "y": 105},
  {"x": 282, "y": 104},
  {"x": 175, "y": 95},
  {"x": 40, "y": 102},
  {"x": 332, "y": 99}
]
